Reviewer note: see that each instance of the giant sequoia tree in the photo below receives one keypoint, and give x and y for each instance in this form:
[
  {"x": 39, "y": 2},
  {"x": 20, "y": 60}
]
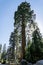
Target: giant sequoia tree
[{"x": 22, "y": 16}]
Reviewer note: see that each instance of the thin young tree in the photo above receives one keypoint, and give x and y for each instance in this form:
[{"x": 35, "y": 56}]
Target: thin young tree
[{"x": 12, "y": 44}]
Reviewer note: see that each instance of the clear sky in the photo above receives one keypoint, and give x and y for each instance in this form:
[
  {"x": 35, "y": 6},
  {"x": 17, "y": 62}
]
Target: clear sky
[{"x": 7, "y": 9}]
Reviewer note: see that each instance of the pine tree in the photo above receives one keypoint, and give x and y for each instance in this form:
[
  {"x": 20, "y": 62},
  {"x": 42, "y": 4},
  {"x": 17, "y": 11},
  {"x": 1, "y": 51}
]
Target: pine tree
[
  {"x": 0, "y": 51},
  {"x": 3, "y": 56},
  {"x": 12, "y": 44},
  {"x": 36, "y": 47}
]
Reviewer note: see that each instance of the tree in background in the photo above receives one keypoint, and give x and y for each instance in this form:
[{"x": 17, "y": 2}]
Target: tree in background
[
  {"x": 0, "y": 51},
  {"x": 12, "y": 44},
  {"x": 34, "y": 52},
  {"x": 9, "y": 54},
  {"x": 22, "y": 16},
  {"x": 3, "y": 57},
  {"x": 0, "y": 48},
  {"x": 37, "y": 46}
]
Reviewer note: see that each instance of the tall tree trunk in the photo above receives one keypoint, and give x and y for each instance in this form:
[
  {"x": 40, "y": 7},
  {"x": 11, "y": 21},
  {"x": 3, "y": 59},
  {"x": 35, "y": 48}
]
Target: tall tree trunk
[{"x": 23, "y": 38}]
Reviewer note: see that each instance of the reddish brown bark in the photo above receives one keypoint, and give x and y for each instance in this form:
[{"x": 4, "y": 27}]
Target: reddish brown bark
[{"x": 23, "y": 38}]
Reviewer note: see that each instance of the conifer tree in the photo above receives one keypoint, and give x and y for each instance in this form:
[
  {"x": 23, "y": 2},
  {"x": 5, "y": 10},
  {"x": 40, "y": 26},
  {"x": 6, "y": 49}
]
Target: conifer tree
[{"x": 22, "y": 16}]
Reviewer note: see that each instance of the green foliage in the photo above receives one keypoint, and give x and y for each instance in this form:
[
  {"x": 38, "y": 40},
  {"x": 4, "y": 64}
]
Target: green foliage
[
  {"x": 24, "y": 11},
  {"x": 28, "y": 55},
  {"x": 0, "y": 51},
  {"x": 3, "y": 56},
  {"x": 0, "y": 48},
  {"x": 12, "y": 45},
  {"x": 35, "y": 52}
]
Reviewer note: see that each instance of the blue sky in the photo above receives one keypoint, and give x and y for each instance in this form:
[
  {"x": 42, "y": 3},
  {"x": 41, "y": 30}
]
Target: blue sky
[{"x": 7, "y": 9}]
